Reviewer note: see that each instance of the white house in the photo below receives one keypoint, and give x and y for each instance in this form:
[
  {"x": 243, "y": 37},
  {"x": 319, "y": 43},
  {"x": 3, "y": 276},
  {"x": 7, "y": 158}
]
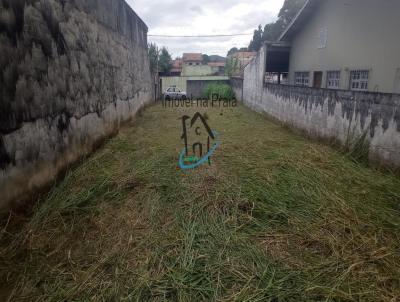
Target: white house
[{"x": 341, "y": 44}]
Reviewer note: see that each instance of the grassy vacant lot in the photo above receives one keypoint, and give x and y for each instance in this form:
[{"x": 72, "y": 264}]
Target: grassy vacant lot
[{"x": 275, "y": 218}]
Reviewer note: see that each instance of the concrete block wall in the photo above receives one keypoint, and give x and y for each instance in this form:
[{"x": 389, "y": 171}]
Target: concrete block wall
[
  {"x": 339, "y": 115},
  {"x": 71, "y": 73}
]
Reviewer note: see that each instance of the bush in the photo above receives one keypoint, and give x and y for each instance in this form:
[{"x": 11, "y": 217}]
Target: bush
[{"x": 223, "y": 90}]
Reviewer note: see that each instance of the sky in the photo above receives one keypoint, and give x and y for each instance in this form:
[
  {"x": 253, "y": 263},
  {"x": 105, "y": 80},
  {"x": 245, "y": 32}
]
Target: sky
[{"x": 208, "y": 17}]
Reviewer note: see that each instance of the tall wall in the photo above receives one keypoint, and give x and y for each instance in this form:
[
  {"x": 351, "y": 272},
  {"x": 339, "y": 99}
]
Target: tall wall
[
  {"x": 343, "y": 116},
  {"x": 360, "y": 34},
  {"x": 71, "y": 72}
]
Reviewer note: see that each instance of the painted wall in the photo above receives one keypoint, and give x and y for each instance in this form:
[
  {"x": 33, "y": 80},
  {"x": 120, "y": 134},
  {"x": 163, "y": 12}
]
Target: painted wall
[
  {"x": 361, "y": 34},
  {"x": 343, "y": 116},
  {"x": 71, "y": 73},
  {"x": 197, "y": 70}
]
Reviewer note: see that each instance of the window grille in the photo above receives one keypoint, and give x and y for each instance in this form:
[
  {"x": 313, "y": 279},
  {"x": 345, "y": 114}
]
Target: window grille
[
  {"x": 333, "y": 80},
  {"x": 359, "y": 80},
  {"x": 302, "y": 78}
]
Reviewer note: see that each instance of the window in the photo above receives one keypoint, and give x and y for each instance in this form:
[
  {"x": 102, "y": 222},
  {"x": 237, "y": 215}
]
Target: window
[
  {"x": 302, "y": 78},
  {"x": 276, "y": 78},
  {"x": 190, "y": 63},
  {"x": 359, "y": 80},
  {"x": 333, "y": 79}
]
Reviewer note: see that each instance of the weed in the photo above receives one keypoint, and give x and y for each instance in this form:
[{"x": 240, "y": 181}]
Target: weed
[{"x": 275, "y": 218}]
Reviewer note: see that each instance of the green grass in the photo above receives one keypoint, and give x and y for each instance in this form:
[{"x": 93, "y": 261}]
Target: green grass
[
  {"x": 276, "y": 217},
  {"x": 218, "y": 91}
]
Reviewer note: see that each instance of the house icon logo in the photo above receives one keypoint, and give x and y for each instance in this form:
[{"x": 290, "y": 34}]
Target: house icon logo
[{"x": 200, "y": 142}]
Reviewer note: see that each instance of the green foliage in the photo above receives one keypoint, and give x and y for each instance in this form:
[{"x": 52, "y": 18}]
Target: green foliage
[
  {"x": 165, "y": 60},
  {"x": 289, "y": 10},
  {"x": 358, "y": 147},
  {"x": 206, "y": 59},
  {"x": 256, "y": 42},
  {"x": 272, "y": 31},
  {"x": 222, "y": 90},
  {"x": 153, "y": 56},
  {"x": 232, "y": 67},
  {"x": 277, "y": 217},
  {"x": 232, "y": 51}
]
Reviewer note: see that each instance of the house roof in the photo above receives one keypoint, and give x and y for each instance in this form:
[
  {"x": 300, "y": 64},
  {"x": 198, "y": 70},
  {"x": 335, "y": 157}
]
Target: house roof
[
  {"x": 216, "y": 64},
  {"x": 177, "y": 63},
  {"x": 196, "y": 57},
  {"x": 300, "y": 20}
]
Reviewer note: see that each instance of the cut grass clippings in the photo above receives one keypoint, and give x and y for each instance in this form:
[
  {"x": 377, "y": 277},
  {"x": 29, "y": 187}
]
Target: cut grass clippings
[{"x": 276, "y": 217}]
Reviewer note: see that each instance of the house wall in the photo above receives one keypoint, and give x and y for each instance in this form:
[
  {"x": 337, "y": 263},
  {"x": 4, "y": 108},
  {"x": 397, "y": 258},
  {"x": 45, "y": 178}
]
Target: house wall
[
  {"x": 71, "y": 73},
  {"x": 197, "y": 70},
  {"x": 361, "y": 34},
  {"x": 342, "y": 116}
]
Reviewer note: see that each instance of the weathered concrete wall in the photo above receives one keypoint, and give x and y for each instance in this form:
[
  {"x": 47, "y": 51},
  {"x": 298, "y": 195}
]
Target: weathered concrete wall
[
  {"x": 71, "y": 72},
  {"x": 343, "y": 116},
  {"x": 237, "y": 87}
]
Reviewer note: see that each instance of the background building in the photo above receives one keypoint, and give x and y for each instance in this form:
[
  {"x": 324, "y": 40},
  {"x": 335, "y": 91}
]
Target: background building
[{"x": 350, "y": 45}]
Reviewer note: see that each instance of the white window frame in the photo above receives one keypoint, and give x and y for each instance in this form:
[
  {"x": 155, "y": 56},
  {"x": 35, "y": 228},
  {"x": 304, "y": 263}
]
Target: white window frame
[
  {"x": 333, "y": 79},
  {"x": 359, "y": 80},
  {"x": 302, "y": 78}
]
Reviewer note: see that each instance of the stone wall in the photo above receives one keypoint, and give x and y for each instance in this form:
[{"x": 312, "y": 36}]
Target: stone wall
[
  {"x": 346, "y": 117},
  {"x": 71, "y": 72}
]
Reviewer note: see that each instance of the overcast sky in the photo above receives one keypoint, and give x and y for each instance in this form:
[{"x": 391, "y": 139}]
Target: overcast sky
[{"x": 207, "y": 17}]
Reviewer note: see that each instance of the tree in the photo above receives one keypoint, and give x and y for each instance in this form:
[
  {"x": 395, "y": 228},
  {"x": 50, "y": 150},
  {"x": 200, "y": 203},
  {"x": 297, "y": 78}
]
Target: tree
[
  {"x": 232, "y": 67},
  {"x": 152, "y": 49},
  {"x": 165, "y": 61},
  {"x": 272, "y": 31},
  {"x": 162, "y": 60},
  {"x": 206, "y": 59},
  {"x": 232, "y": 51},
  {"x": 257, "y": 41},
  {"x": 289, "y": 10}
]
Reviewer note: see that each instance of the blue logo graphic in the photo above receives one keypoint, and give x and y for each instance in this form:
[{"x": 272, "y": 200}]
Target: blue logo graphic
[{"x": 198, "y": 135}]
